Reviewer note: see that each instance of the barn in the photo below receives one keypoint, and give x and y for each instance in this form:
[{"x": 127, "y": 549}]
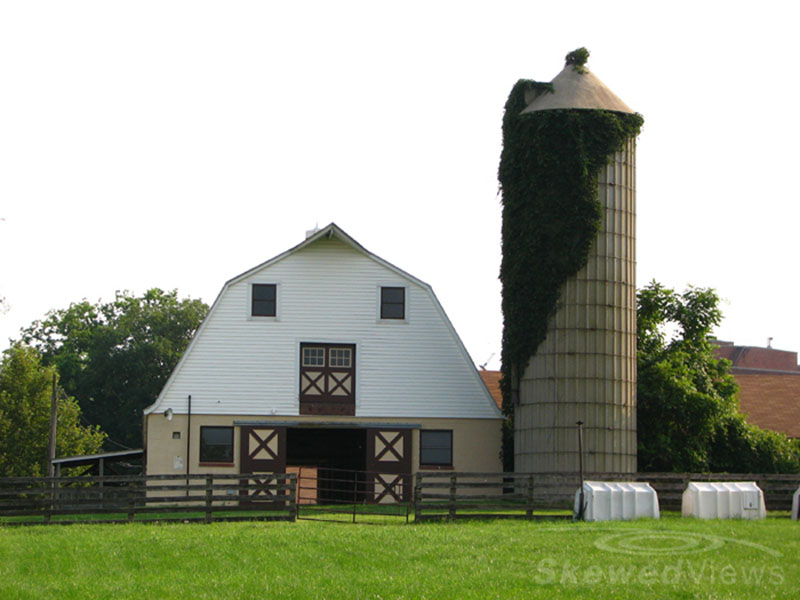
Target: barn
[{"x": 325, "y": 357}]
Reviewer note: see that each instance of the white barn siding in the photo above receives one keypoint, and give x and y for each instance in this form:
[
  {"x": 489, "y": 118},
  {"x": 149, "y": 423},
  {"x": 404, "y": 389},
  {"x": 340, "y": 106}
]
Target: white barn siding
[{"x": 328, "y": 291}]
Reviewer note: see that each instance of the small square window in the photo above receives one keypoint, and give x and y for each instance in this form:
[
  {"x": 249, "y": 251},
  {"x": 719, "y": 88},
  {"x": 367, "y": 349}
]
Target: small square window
[
  {"x": 436, "y": 447},
  {"x": 339, "y": 357},
  {"x": 393, "y": 303},
  {"x": 176, "y": 435},
  {"x": 216, "y": 444},
  {"x": 264, "y": 300},
  {"x": 313, "y": 357}
]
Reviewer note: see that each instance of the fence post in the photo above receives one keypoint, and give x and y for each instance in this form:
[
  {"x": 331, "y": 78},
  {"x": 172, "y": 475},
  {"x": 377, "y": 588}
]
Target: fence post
[
  {"x": 529, "y": 508},
  {"x": 209, "y": 494},
  {"x": 452, "y": 503},
  {"x": 355, "y": 497},
  {"x": 417, "y": 496},
  {"x": 293, "y": 497},
  {"x": 50, "y": 494},
  {"x": 131, "y": 499}
]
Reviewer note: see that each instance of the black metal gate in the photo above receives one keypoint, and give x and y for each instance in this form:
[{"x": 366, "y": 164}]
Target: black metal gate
[{"x": 346, "y": 496}]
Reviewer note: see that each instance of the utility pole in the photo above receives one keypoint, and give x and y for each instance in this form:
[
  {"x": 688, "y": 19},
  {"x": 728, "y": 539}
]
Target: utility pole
[{"x": 53, "y": 418}]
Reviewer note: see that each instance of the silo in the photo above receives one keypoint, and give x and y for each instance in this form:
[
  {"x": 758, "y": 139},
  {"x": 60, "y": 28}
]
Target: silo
[{"x": 585, "y": 368}]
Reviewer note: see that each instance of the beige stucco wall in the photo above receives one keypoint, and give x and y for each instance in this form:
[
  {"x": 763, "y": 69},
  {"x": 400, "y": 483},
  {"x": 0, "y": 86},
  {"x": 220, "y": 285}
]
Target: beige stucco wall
[{"x": 476, "y": 442}]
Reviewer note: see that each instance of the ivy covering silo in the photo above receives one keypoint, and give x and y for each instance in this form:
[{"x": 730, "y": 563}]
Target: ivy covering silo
[{"x": 567, "y": 175}]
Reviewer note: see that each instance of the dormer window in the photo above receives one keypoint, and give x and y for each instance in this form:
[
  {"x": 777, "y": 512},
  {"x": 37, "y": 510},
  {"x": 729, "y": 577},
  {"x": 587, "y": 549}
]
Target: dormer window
[
  {"x": 264, "y": 300},
  {"x": 393, "y": 303}
]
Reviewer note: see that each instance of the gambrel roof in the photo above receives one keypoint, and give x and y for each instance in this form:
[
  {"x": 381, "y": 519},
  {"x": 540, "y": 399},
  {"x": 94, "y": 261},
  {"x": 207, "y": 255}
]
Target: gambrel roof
[
  {"x": 332, "y": 231},
  {"x": 440, "y": 379}
]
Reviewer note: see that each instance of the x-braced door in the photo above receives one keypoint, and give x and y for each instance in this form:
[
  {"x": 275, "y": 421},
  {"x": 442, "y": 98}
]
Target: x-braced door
[
  {"x": 263, "y": 454},
  {"x": 389, "y": 465}
]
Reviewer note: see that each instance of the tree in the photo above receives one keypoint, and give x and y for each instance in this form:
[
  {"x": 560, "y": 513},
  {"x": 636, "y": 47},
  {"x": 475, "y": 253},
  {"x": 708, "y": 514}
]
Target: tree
[
  {"x": 25, "y": 397},
  {"x": 688, "y": 408},
  {"x": 115, "y": 357}
]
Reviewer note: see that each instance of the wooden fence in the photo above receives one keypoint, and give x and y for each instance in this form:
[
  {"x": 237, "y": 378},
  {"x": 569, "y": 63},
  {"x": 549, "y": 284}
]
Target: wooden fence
[
  {"x": 778, "y": 489},
  {"x": 436, "y": 495},
  {"x": 451, "y": 495},
  {"x": 454, "y": 495},
  {"x": 29, "y": 500}
]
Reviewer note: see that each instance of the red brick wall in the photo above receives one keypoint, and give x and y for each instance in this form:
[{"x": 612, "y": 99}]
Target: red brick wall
[
  {"x": 771, "y": 401},
  {"x": 750, "y": 357}
]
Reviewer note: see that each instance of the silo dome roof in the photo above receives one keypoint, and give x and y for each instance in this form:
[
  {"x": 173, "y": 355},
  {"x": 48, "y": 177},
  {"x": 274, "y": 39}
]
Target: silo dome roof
[{"x": 577, "y": 87}]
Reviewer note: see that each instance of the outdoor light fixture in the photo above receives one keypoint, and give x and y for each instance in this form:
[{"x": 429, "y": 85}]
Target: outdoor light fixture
[{"x": 168, "y": 414}]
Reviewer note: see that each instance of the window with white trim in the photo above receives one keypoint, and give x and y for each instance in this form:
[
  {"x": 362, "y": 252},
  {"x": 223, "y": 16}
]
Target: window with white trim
[
  {"x": 264, "y": 300},
  {"x": 393, "y": 303}
]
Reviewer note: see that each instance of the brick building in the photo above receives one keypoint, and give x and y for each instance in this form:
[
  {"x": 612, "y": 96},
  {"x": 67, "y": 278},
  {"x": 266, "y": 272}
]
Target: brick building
[{"x": 769, "y": 382}]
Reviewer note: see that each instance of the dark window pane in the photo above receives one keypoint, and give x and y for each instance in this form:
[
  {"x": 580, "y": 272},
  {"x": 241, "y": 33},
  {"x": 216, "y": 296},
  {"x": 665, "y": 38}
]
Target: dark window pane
[
  {"x": 393, "y": 303},
  {"x": 264, "y": 296},
  {"x": 217, "y": 435},
  {"x": 393, "y": 294},
  {"x": 436, "y": 447},
  {"x": 436, "y": 456},
  {"x": 339, "y": 357},
  {"x": 264, "y": 291},
  {"x": 216, "y": 444},
  {"x": 313, "y": 357}
]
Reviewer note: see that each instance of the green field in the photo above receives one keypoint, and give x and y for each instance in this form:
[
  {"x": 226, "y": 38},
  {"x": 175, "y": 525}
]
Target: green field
[{"x": 670, "y": 558}]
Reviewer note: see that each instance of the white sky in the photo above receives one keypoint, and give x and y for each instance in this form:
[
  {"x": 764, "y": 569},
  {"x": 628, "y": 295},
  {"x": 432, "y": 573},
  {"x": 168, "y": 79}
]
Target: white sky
[{"x": 178, "y": 144}]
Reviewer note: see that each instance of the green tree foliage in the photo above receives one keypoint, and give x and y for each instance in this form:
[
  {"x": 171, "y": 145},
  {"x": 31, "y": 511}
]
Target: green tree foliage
[
  {"x": 688, "y": 407},
  {"x": 115, "y": 357},
  {"x": 25, "y": 397}
]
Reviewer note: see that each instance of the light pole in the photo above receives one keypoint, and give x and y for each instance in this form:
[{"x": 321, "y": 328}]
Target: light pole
[{"x": 581, "y": 498}]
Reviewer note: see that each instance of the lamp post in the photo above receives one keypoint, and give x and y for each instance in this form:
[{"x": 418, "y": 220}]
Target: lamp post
[{"x": 581, "y": 498}]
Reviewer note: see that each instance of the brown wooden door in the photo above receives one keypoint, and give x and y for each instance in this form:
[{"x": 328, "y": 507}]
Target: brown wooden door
[
  {"x": 389, "y": 465},
  {"x": 327, "y": 379},
  {"x": 262, "y": 454}
]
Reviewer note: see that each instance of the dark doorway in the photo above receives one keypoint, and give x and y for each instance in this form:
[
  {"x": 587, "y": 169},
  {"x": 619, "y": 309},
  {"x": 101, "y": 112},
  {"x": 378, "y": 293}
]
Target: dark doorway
[{"x": 339, "y": 455}]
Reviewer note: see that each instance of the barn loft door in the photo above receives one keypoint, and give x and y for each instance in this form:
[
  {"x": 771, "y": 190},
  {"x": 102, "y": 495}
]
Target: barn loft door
[
  {"x": 389, "y": 465},
  {"x": 327, "y": 379},
  {"x": 263, "y": 453}
]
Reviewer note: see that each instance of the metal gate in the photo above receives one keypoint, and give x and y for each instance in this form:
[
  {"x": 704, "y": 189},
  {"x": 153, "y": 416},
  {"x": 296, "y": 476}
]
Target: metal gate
[{"x": 347, "y": 496}]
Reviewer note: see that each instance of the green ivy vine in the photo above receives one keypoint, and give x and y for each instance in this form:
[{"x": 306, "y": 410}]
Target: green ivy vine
[{"x": 548, "y": 176}]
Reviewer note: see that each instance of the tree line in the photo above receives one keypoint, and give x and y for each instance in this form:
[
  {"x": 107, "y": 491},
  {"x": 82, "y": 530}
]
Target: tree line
[{"x": 112, "y": 359}]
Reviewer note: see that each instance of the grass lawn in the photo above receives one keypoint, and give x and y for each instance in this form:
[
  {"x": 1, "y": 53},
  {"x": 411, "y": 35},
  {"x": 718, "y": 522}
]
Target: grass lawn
[{"x": 670, "y": 558}]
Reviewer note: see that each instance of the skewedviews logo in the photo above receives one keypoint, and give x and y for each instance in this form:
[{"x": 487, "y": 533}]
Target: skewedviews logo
[
  {"x": 646, "y": 542},
  {"x": 675, "y": 559}
]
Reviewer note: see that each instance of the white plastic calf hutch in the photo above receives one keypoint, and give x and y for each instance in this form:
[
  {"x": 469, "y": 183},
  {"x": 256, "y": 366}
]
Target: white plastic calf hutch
[
  {"x": 723, "y": 500},
  {"x": 615, "y": 501},
  {"x": 796, "y": 505}
]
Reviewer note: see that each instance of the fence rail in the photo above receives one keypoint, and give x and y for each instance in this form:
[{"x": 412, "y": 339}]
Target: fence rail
[
  {"x": 333, "y": 494},
  {"x": 451, "y": 495},
  {"x": 558, "y": 489},
  {"x": 443, "y": 495},
  {"x": 30, "y": 500}
]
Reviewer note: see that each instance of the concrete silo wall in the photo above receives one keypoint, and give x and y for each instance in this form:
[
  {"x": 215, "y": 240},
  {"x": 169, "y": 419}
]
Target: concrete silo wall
[{"x": 585, "y": 370}]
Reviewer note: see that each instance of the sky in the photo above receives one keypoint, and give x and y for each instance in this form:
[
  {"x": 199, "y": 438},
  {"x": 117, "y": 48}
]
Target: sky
[{"x": 177, "y": 144}]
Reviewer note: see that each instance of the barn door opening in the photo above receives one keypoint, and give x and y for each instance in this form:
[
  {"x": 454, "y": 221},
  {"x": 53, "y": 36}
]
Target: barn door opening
[
  {"x": 262, "y": 454},
  {"x": 389, "y": 465},
  {"x": 330, "y": 464}
]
